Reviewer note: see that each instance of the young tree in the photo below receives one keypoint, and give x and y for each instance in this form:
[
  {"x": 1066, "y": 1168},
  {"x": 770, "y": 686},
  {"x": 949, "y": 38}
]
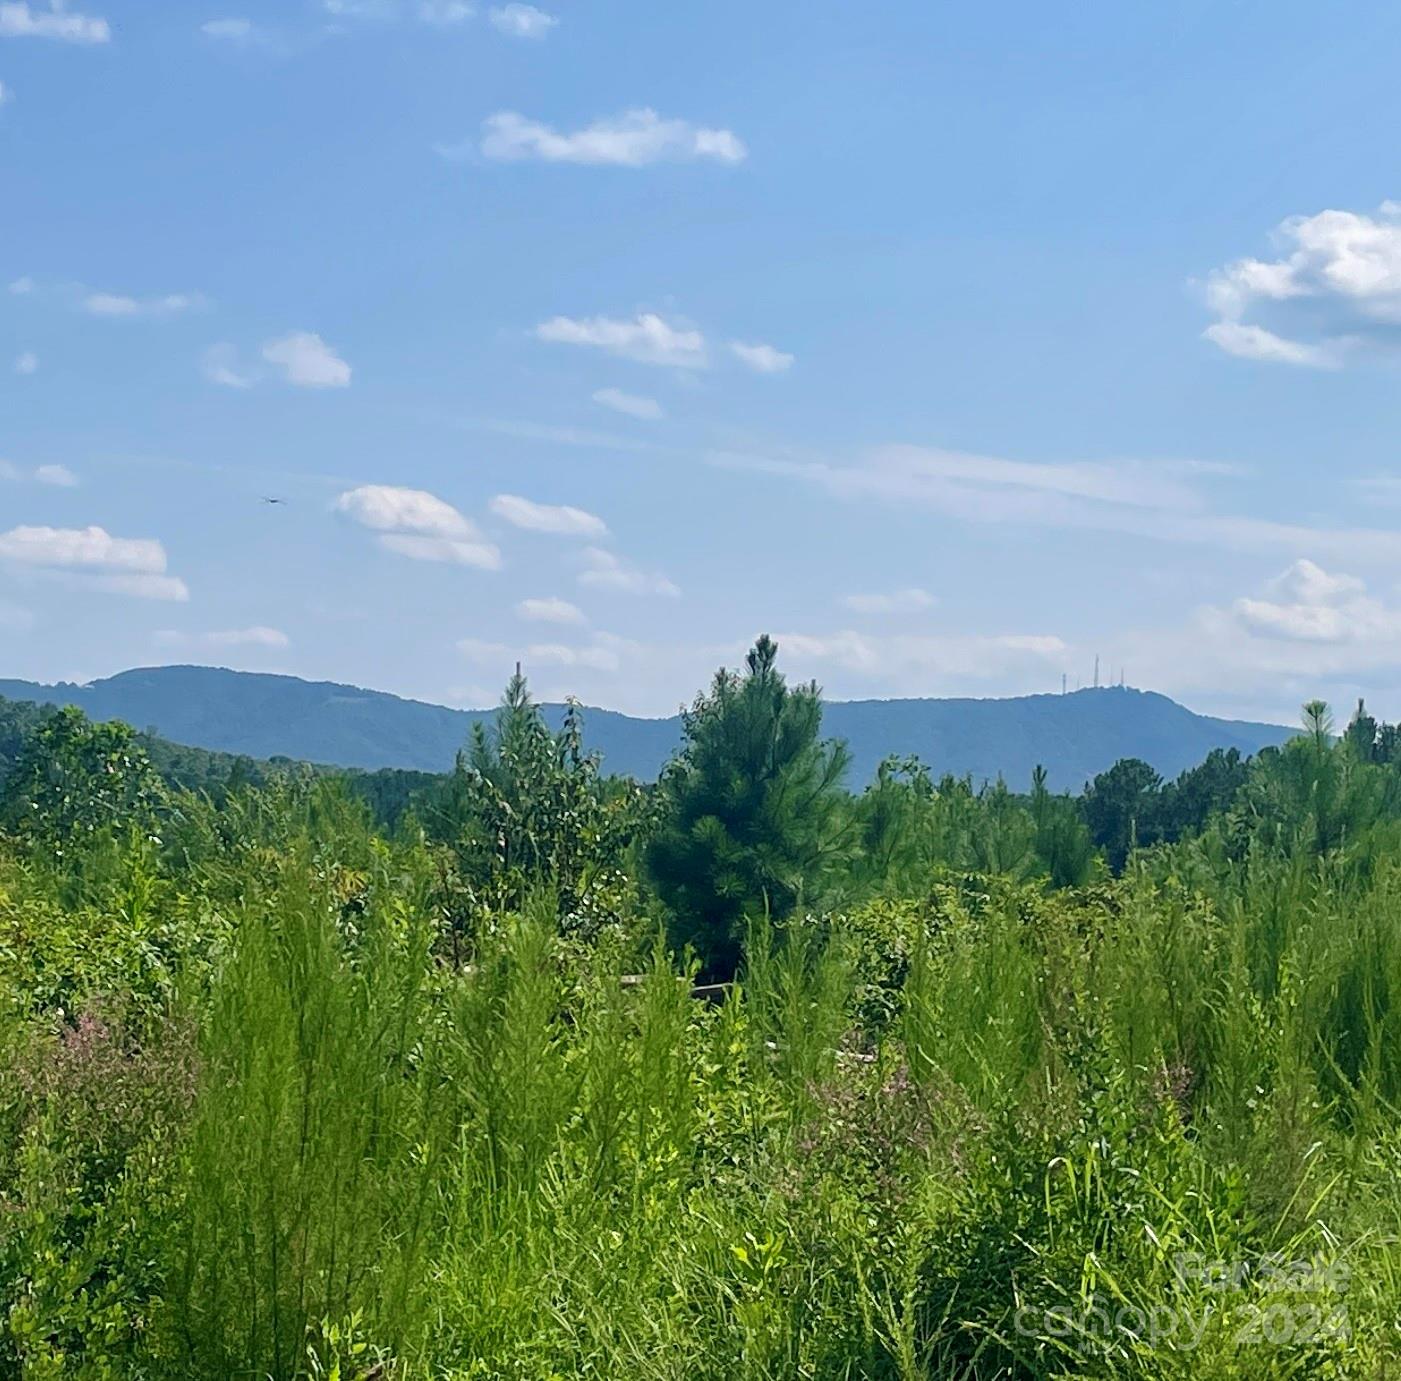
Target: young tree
[
  {"x": 755, "y": 813},
  {"x": 525, "y": 808},
  {"x": 1062, "y": 842},
  {"x": 76, "y": 782},
  {"x": 1121, "y": 808},
  {"x": 1361, "y": 734}
]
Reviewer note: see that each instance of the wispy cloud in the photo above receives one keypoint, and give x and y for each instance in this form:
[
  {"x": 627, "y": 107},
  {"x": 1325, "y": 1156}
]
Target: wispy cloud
[
  {"x": 57, "y": 476},
  {"x": 445, "y": 13},
  {"x": 559, "y": 519},
  {"x": 1256, "y": 343},
  {"x": 419, "y": 525},
  {"x": 27, "y": 363},
  {"x": 258, "y": 636},
  {"x": 629, "y": 404},
  {"x": 1161, "y": 501},
  {"x": 603, "y": 570},
  {"x": 634, "y": 139},
  {"x": 909, "y": 660},
  {"x": 762, "y": 359},
  {"x": 121, "y": 305},
  {"x": 604, "y": 652},
  {"x": 522, "y": 21},
  {"x": 234, "y": 30},
  {"x": 647, "y": 338},
  {"x": 220, "y": 365},
  {"x": 908, "y": 601},
  {"x": 441, "y": 14},
  {"x": 550, "y": 610},
  {"x": 19, "y": 19}
]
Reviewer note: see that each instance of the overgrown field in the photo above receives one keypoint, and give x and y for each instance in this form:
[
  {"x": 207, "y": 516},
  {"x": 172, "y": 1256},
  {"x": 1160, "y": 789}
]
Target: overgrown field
[{"x": 976, "y": 1085}]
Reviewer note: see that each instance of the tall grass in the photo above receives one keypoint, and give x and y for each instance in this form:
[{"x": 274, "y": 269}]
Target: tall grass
[{"x": 527, "y": 1167}]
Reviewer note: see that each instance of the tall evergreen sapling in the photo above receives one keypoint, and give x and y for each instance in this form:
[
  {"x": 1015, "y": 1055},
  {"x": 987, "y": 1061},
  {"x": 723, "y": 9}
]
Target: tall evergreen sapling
[{"x": 755, "y": 809}]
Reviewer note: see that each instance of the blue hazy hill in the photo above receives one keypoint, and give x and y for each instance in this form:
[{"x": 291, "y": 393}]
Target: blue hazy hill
[{"x": 266, "y": 716}]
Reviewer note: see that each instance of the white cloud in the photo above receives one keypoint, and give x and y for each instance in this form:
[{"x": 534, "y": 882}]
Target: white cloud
[
  {"x": 908, "y": 660},
  {"x": 438, "y": 13},
  {"x": 605, "y": 571},
  {"x": 445, "y": 13},
  {"x": 307, "y": 361},
  {"x": 257, "y": 636},
  {"x": 559, "y": 519},
  {"x": 1256, "y": 343},
  {"x": 909, "y": 601},
  {"x": 974, "y": 485},
  {"x": 81, "y": 547},
  {"x": 1308, "y": 632},
  {"x": 631, "y": 140},
  {"x": 26, "y": 363},
  {"x": 388, "y": 508},
  {"x": 163, "y": 587},
  {"x": 482, "y": 650},
  {"x": 243, "y": 34},
  {"x": 1339, "y": 277},
  {"x": 20, "y": 287},
  {"x": 451, "y": 551},
  {"x": 59, "y": 476},
  {"x": 419, "y": 525},
  {"x": 1308, "y": 604},
  {"x": 5, "y": 94},
  {"x": 561, "y": 436},
  {"x": 121, "y": 305},
  {"x": 604, "y": 652},
  {"x": 232, "y": 30},
  {"x": 523, "y": 21},
  {"x": 121, "y": 565},
  {"x": 360, "y": 9},
  {"x": 19, "y": 19},
  {"x": 762, "y": 359},
  {"x": 220, "y": 365},
  {"x": 647, "y": 338},
  {"x": 1161, "y": 501},
  {"x": 630, "y": 404},
  {"x": 551, "y": 610},
  {"x": 594, "y": 657}
]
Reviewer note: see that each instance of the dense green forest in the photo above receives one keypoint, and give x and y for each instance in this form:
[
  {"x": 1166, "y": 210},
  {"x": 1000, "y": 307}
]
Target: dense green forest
[{"x": 528, "y": 1072}]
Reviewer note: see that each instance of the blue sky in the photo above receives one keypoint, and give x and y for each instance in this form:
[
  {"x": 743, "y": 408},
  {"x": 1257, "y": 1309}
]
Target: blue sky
[{"x": 953, "y": 345}]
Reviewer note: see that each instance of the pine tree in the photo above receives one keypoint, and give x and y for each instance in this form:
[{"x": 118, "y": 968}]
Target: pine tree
[{"x": 755, "y": 811}]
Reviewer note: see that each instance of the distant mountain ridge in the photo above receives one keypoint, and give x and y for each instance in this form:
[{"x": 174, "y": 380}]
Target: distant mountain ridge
[{"x": 1074, "y": 736}]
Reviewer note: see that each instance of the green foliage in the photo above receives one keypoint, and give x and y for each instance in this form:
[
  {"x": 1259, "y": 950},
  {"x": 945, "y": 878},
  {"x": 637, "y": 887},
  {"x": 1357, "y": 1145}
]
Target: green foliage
[
  {"x": 526, "y": 809},
  {"x": 988, "y": 1113},
  {"x": 76, "y": 784},
  {"x": 753, "y": 810}
]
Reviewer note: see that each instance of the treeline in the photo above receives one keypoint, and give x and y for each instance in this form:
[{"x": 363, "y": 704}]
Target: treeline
[{"x": 753, "y": 817}]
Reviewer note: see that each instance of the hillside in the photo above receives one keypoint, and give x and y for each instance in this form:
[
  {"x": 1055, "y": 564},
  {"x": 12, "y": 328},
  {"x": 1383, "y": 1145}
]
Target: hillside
[{"x": 264, "y": 716}]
